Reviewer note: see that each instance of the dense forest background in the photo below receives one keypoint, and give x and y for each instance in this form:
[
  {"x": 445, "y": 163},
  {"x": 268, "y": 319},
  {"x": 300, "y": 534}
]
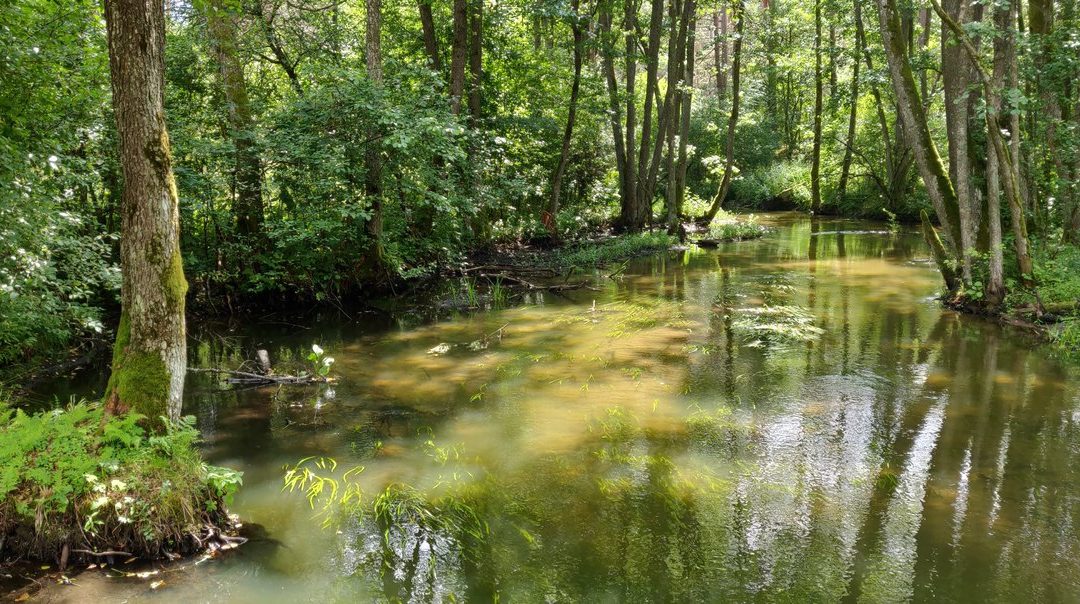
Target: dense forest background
[{"x": 325, "y": 149}]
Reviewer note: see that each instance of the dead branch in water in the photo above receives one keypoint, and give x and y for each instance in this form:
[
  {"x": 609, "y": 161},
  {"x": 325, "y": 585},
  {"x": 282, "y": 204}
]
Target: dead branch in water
[
  {"x": 266, "y": 377},
  {"x": 557, "y": 287},
  {"x": 244, "y": 377}
]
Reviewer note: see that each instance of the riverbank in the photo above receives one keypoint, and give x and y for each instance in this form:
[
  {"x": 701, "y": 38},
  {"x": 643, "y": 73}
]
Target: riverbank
[{"x": 78, "y": 487}]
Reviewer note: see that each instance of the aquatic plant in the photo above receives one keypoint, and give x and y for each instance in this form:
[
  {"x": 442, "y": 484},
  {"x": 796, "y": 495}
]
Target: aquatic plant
[
  {"x": 320, "y": 362},
  {"x": 762, "y": 325}
]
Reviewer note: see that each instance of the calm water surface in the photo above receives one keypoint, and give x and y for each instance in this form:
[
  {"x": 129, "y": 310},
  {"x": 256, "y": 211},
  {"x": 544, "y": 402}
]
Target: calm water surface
[{"x": 793, "y": 419}]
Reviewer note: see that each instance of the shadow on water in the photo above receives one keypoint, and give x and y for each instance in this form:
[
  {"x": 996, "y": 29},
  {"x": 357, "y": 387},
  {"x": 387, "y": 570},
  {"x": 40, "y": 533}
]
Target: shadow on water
[{"x": 790, "y": 419}]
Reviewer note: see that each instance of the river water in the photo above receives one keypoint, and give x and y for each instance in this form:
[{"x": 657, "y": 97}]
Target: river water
[{"x": 789, "y": 419}]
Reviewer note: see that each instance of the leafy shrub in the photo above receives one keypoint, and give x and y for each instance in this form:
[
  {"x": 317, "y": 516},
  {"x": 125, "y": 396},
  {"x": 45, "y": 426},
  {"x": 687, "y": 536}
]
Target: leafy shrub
[
  {"x": 736, "y": 230},
  {"x": 603, "y": 252},
  {"x": 77, "y": 477}
]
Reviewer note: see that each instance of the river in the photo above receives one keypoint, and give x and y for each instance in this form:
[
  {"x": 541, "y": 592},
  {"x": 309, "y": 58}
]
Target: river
[{"x": 789, "y": 419}]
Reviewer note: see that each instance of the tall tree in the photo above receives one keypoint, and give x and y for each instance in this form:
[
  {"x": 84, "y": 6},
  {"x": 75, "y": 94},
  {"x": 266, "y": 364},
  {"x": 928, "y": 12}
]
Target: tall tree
[
  {"x": 733, "y": 117},
  {"x": 815, "y": 156},
  {"x": 221, "y": 24},
  {"x": 459, "y": 48},
  {"x": 476, "y": 49},
  {"x": 1010, "y": 179},
  {"x": 431, "y": 37},
  {"x": 853, "y": 111},
  {"x": 687, "y": 105},
  {"x": 957, "y": 78},
  {"x": 150, "y": 354},
  {"x": 373, "y": 188},
  {"x": 571, "y": 115},
  {"x": 916, "y": 130},
  {"x": 629, "y": 218},
  {"x": 720, "y": 51},
  {"x": 649, "y": 152}
]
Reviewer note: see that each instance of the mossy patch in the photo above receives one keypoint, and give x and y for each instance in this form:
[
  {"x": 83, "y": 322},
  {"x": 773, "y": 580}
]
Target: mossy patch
[{"x": 139, "y": 380}]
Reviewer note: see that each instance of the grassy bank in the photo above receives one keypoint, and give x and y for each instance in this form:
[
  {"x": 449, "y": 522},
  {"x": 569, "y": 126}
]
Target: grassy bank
[{"x": 75, "y": 484}]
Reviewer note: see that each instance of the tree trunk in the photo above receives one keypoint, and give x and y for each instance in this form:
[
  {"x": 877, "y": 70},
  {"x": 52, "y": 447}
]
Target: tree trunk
[
  {"x": 1010, "y": 180},
  {"x": 221, "y": 24},
  {"x": 853, "y": 115},
  {"x": 629, "y": 218},
  {"x": 571, "y": 114},
  {"x": 652, "y": 88},
  {"x": 957, "y": 78},
  {"x": 373, "y": 188},
  {"x": 687, "y": 105},
  {"x": 815, "y": 157},
  {"x": 431, "y": 38},
  {"x": 939, "y": 186},
  {"x": 476, "y": 49},
  {"x": 459, "y": 48},
  {"x": 679, "y": 13},
  {"x": 150, "y": 354},
  {"x": 720, "y": 52},
  {"x": 994, "y": 290},
  {"x": 615, "y": 109},
  {"x": 733, "y": 118}
]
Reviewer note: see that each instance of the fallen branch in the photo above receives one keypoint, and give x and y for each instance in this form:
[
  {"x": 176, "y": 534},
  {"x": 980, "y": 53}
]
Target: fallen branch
[
  {"x": 529, "y": 285},
  {"x": 244, "y": 377},
  {"x": 104, "y": 554}
]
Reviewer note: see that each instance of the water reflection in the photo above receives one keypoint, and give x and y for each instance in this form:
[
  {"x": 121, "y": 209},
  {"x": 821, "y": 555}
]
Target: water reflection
[{"x": 789, "y": 419}]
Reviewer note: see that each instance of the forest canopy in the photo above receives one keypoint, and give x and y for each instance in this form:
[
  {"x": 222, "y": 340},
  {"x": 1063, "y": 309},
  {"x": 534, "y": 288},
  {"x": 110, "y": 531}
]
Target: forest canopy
[{"x": 324, "y": 150}]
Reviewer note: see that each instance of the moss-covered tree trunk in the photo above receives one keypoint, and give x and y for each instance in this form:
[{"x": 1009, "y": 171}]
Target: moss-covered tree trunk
[
  {"x": 221, "y": 23},
  {"x": 994, "y": 289},
  {"x": 957, "y": 77},
  {"x": 939, "y": 186},
  {"x": 149, "y": 358}
]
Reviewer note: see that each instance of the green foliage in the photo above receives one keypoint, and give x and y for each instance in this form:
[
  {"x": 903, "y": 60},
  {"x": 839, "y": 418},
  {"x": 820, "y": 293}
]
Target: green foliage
[
  {"x": 75, "y": 475},
  {"x": 736, "y": 229},
  {"x": 320, "y": 363},
  {"x": 55, "y": 148},
  {"x": 606, "y": 251}
]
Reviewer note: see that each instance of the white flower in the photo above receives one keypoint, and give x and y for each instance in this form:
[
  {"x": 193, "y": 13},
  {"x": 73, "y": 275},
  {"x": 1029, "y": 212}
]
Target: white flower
[
  {"x": 316, "y": 349},
  {"x": 328, "y": 361}
]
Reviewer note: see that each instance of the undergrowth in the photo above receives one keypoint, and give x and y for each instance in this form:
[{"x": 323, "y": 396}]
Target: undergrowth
[
  {"x": 79, "y": 479},
  {"x": 607, "y": 251},
  {"x": 736, "y": 230}
]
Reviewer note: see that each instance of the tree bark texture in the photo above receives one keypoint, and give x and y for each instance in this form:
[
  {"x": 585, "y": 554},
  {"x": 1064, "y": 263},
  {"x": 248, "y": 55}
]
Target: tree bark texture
[{"x": 150, "y": 354}]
